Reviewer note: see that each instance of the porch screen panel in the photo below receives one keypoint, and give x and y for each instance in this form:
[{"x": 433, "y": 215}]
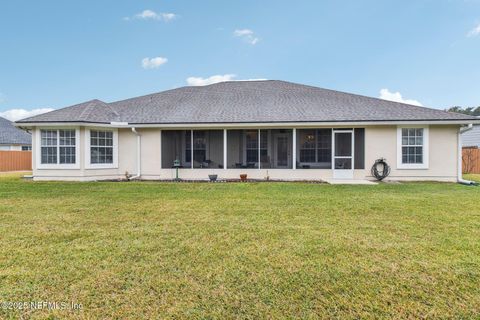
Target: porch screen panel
[
  {"x": 314, "y": 148},
  {"x": 174, "y": 147},
  {"x": 208, "y": 149},
  {"x": 359, "y": 148},
  {"x": 276, "y": 149},
  {"x": 242, "y": 149}
]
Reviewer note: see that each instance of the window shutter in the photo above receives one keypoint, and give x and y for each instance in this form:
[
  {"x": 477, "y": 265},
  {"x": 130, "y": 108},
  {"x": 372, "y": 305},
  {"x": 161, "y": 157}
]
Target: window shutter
[{"x": 359, "y": 148}]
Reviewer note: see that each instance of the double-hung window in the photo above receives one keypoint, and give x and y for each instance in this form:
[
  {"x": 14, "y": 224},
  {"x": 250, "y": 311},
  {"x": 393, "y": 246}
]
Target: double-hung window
[
  {"x": 101, "y": 147},
  {"x": 251, "y": 144},
  {"x": 58, "y": 147},
  {"x": 412, "y": 148}
]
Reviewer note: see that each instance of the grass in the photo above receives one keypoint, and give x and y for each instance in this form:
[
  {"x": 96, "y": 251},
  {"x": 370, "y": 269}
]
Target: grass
[
  {"x": 472, "y": 177},
  {"x": 233, "y": 250}
]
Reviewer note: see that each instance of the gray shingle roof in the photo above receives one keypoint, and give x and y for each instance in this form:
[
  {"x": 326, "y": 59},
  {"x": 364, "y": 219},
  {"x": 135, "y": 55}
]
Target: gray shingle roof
[
  {"x": 10, "y": 135},
  {"x": 245, "y": 102}
]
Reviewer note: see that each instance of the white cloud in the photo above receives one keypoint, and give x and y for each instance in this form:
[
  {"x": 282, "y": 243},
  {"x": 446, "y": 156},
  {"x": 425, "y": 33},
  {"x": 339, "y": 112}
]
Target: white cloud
[
  {"x": 152, "y": 15},
  {"x": 243, "y": 32},
  {"x": 17, "y": 114},
  {"x": 198, "y": 81},
  {"x": 247, "y": 35},
  {"x": 152, "y": 63},
  {"x": 385, "y": 94},
  {"x": 474, "y": 32},
  {"x": 168, "y": 16}
]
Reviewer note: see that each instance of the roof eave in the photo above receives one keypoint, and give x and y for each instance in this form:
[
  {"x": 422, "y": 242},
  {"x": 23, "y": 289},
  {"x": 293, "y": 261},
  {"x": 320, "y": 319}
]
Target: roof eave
[{"x": 249, "y": 124}]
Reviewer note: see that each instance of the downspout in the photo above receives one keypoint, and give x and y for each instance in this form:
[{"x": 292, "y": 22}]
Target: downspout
[
  {"x": 459, "y": 152},
  {"x": 139, "y": 154}
]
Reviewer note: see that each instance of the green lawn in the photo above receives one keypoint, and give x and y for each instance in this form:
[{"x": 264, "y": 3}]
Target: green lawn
[
  {"x": 233, "y": 250},
  {"x": 473, "y": 177}
]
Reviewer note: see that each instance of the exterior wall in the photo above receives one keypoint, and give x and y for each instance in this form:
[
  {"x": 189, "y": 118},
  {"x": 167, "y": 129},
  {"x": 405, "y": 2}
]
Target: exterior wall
[
  {"x": 471, "y": 138},
  {"x": 5, "y": 147},
  {"x": 380, "y": 142}
]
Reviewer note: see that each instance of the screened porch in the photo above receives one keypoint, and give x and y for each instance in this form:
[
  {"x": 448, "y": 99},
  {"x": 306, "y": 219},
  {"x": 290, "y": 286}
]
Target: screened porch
[{"x": 261, "y": 149}]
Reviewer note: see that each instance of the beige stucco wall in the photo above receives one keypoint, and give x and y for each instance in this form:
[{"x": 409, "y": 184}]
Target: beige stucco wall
[{"x": 380, "y": 141}]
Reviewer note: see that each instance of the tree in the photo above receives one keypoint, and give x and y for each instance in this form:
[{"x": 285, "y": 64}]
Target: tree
[{"x": 471, "y": 111}]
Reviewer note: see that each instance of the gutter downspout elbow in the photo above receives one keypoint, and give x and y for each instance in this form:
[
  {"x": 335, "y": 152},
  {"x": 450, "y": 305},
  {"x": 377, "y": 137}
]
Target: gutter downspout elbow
[
  {"x": 459, "y": 161},
  {"x": 139, "y": 154}
]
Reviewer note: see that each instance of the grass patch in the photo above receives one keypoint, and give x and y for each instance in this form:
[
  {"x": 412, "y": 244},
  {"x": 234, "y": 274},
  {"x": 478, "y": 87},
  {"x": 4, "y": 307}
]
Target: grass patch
[
  {"x": 472, "y": 177},
  {"x": 233, "y": 250}
]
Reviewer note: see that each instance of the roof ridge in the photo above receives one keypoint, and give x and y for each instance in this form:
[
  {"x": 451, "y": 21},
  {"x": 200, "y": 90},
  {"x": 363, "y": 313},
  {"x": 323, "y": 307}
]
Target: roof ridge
[
  {"x": 92, "y": 104},
  {"x": 86, "y": 111}
]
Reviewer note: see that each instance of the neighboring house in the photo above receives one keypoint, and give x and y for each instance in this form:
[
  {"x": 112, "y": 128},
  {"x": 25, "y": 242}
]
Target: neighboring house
[
  {"x": 12, "y": 138},
  {"x": 272, "y": 129},
  {"x": 471, "y": 138}
]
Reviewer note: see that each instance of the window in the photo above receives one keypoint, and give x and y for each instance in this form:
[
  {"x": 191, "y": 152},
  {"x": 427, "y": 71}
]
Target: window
[
  {"x": 307, "y": 146},
  {"x": 58, "y": 146},
  {"x": 49, "y": 146},
  {"x": 199, "y": 147},
  {"x": 101, "y": 147},
  {"x": 412, "y": 145},
  {"x": 26, "y": 148},
  {"x": 67, "y": 146}
]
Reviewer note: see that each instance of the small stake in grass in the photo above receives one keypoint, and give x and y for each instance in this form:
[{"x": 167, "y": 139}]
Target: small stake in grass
[{"x": 176, "y": 165}]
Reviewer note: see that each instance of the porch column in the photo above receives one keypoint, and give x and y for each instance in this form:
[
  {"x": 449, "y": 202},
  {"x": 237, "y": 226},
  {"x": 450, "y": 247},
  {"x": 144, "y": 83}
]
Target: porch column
[
  {"x": 160, "y": 149},
  {"x": 294, "y": 144},
  {"x": 258, "y": 149},
  {"x": 191, "y": 147},
  {"x": 224, "y": 149}
]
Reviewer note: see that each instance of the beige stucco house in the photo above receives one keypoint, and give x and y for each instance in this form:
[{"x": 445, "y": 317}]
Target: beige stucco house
[{"x": 273, "y": 129}]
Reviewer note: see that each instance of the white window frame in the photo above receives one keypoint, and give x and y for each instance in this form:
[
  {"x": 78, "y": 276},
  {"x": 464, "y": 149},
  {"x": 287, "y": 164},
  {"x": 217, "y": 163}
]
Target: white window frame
[
  {"x": 425, "y": 149},
  {"x": 38, "y": 150},
  {"x": 114, "y": 164}
]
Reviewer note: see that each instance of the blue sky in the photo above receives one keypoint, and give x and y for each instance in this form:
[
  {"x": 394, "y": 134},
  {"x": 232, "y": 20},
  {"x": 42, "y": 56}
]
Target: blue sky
[{"x": 57, "y": 53}]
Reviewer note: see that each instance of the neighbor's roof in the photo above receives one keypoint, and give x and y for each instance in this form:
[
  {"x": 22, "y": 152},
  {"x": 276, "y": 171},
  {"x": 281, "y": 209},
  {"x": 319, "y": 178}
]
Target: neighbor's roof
[
  {"x": 11, "y": 135},
  {"x": 245, "y": 102}
]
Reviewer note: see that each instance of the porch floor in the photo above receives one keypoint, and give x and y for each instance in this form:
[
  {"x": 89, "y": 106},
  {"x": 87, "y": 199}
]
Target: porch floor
[{"x": 349, "y": 181}]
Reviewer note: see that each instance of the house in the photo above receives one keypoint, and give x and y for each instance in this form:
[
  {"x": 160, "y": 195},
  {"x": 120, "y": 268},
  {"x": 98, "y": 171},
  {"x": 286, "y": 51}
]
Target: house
[
  {"x": 272, "y": 129},
  {"x": 12, "y": 138},
  {"x": 471, "y": 138}
]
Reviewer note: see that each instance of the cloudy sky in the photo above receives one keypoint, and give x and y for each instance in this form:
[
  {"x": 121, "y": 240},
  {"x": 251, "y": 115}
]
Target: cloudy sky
[{"x": 58, "y": 53}]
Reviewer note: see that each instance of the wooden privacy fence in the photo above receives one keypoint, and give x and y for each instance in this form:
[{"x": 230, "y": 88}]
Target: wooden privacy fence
[
  {"x": 15, "y": 161},
  {"x": 471, "y": 160}
]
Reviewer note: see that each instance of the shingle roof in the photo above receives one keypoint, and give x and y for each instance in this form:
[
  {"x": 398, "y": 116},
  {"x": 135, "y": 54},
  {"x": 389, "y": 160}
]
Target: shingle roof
[
  {"x": 10, "y": 135},
  {"x": 246, "y": 102}
]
